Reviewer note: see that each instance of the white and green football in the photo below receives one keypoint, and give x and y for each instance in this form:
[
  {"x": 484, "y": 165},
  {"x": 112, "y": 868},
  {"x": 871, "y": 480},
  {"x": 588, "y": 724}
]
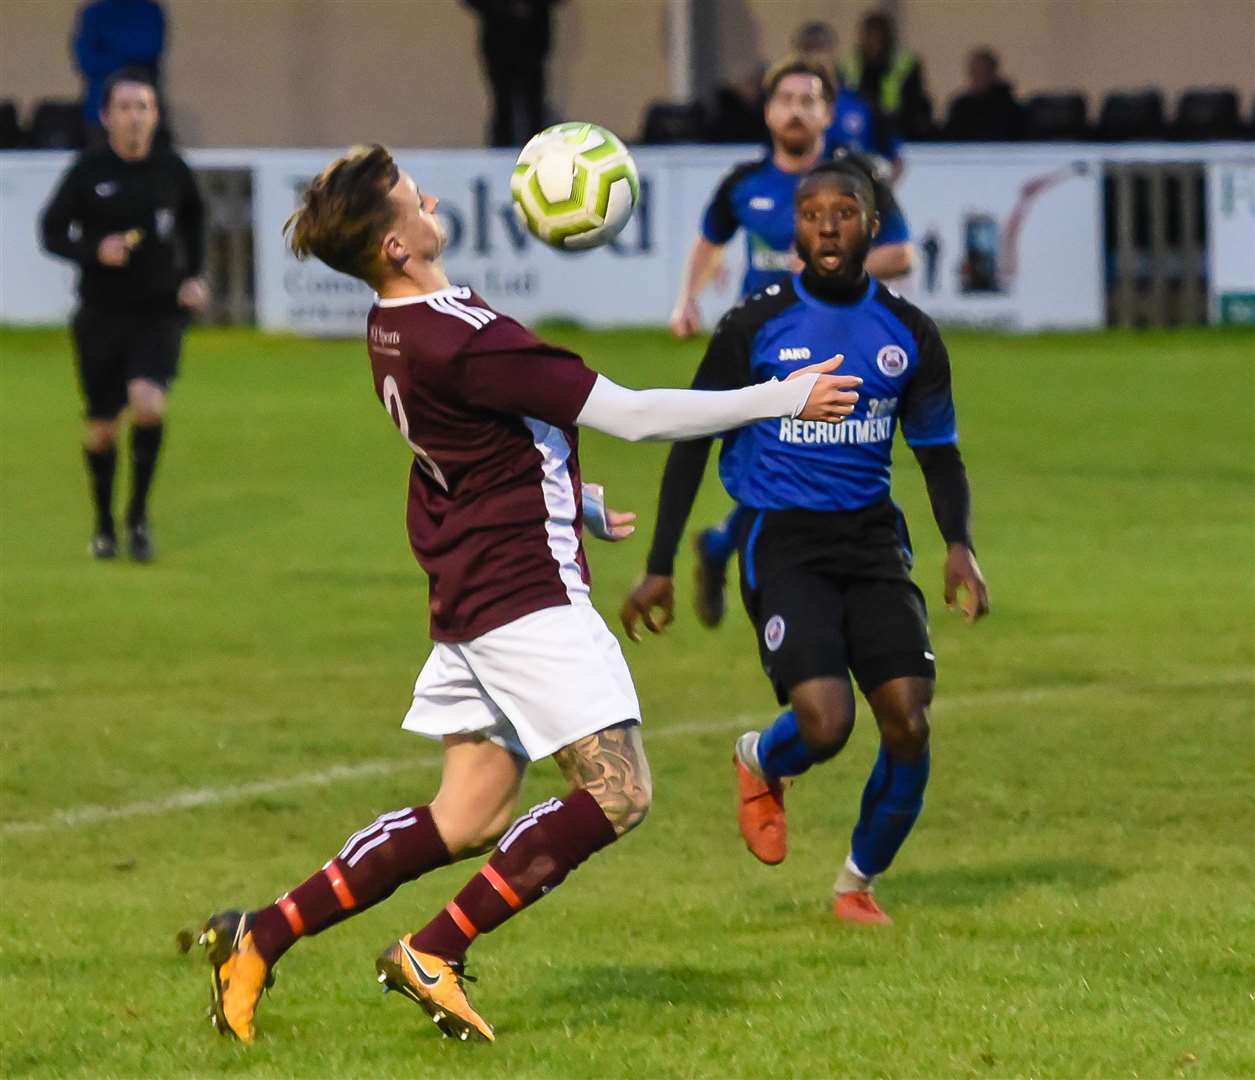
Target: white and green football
[{"x": 575, "y": 186}]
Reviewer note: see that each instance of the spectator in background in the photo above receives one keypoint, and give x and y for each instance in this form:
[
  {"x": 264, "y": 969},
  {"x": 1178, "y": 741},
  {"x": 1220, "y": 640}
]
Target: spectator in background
[
  {"x": 514, "y": 38},
  {"x": 112, "y": 35},
  {"x": 987, "y": 111},
  {"x": 854, "y": 123},
  {"x": 890, "y": 77}
]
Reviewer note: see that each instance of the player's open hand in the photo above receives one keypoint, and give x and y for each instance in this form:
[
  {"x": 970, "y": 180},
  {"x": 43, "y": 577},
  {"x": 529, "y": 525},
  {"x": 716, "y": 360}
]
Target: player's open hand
[
  {"x": 193, "y": 295},
  {"x": 114, "y": 250},
  {"x": 651, "y": 602},
  {"x": 833, "y": 397},
  {"x": 685, "y": 320},
  {"x": 963, "y": 575}
]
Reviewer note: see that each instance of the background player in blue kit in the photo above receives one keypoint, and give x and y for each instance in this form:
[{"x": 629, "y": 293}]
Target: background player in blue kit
[
  {"x": 757, "y": 197},
  {"x": 825, "y": 562}
]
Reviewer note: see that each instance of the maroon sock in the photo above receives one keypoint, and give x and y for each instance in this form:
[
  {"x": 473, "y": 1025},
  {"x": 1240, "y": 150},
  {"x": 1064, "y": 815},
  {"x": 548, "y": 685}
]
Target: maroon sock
[
  {"x": 395, "y": 848},
  {"x": 533, "y": 857}
]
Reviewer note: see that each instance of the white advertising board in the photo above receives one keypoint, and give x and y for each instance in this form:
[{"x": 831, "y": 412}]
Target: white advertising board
[
  {"x": 1006, "y": 241},
  {"x": 1231, "y": 240},
  {"x": 1009, "y": 244},
  {"x": 1006, "y": 236}
]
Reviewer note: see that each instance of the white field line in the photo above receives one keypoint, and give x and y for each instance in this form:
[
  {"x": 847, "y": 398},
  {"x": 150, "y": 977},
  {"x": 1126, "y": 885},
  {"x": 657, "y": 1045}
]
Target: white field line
[{"x": 189, "y": 799}]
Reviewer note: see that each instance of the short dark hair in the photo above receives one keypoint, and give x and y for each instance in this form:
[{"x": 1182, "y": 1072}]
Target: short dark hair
[
  {"x": 795, "y": 65},
  {"x": 814, "y": 35},
  {"x": 984, "y": 52},
  {"x": 345, "y": 212},
  {"x": 142, "y": 76},
  {"x": 879, "y": 20},
  {"x": 846, "y": 171}
]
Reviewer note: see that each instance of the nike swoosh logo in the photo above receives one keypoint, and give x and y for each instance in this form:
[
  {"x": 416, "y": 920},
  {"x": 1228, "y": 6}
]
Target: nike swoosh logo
[{"x": 429, "y": 981}]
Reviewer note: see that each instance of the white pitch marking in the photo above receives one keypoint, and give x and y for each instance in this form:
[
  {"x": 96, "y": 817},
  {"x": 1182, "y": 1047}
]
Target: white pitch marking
[{"x": 95, "y": 814}]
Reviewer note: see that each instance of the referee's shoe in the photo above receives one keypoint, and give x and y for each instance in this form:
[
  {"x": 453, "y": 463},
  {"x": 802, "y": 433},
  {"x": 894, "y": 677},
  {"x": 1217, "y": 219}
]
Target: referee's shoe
[
  {"x": 139, "y": 543},
  {"x": 103, "y": 545}
]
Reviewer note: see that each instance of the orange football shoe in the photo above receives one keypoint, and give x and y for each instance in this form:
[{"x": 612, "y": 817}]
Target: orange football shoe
[
  {"x": 760, "y": 807},
  {"x": 859, "y": 906},
  {"x": 237, "y": 976},
  {"x": 435, "y": 985}
]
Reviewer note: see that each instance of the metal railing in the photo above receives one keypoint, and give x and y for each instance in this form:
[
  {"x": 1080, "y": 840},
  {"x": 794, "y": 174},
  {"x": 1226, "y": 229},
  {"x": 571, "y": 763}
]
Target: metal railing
[{"x": 1156, "y": 243}]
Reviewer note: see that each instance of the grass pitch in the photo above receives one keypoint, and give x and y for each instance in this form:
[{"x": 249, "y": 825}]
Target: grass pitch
[{"x": 1076, "y": 900}]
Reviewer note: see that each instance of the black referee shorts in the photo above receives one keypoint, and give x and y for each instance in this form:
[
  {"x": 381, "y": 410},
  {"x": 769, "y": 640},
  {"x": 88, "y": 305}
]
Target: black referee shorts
[
  {"x": 114, "y": 348},
  {"x": 830, "y": 594}
]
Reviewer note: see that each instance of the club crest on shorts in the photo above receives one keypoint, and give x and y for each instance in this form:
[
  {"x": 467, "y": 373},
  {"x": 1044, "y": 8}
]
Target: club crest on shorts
[
  {"x": 773, "y": 633},
  {"x": 892, "y": 360}
]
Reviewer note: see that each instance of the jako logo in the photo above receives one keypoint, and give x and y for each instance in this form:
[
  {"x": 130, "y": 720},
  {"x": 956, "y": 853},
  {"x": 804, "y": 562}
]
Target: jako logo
[{"x": 795, "y": 354}]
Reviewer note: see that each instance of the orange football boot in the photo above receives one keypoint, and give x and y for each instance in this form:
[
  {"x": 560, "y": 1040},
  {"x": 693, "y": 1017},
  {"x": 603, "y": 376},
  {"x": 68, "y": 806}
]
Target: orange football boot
[
  {"x": 760, "y": 808},
  {"x": 434, "y": 984},
  {"x": 237, "y": 976},
  {"x": 859, "y": 906}
]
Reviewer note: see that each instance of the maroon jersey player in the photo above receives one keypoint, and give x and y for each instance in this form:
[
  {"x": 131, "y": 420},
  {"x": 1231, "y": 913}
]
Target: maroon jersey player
[{"x": 522, "y": 666}]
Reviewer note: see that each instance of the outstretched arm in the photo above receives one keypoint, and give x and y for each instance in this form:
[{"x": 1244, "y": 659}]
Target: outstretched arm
[
  {"x": 641, "y": 415},
  {"x": 725, "y": 367}
]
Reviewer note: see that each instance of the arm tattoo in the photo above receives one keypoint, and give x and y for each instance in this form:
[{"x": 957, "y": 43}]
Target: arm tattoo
[{"x": 612, "y": 768}]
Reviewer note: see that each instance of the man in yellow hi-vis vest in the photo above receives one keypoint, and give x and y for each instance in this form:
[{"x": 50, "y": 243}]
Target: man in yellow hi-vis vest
[{"x": 889, "y": 76}]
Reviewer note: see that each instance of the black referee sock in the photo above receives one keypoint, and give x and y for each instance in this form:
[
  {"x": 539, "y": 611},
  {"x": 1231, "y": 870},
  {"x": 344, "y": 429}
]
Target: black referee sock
[
  {"x": 101, "y": 465},
  {"x": 145, "y": 445}
]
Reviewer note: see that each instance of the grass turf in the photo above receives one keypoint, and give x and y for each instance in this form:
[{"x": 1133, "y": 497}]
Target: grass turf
[{"x": 1076, "y": 900}]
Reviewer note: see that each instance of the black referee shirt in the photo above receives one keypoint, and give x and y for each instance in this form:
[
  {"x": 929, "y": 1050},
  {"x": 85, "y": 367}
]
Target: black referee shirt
[{"x": 156, "y": 197}]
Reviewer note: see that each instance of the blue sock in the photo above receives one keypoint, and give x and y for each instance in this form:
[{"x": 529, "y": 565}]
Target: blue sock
[
  {"x": 781, "y": 751},
  {"x": 892, "y": 800},
  {"x": 719, "y": 542}
]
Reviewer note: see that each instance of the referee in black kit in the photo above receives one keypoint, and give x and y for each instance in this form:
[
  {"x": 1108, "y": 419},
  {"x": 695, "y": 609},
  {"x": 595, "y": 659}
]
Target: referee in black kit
[{"x": 130, "y": 215}]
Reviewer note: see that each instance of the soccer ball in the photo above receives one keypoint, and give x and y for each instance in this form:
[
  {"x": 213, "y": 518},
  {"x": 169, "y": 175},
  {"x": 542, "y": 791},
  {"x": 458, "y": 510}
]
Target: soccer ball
[{"x": 574, "y": 186}]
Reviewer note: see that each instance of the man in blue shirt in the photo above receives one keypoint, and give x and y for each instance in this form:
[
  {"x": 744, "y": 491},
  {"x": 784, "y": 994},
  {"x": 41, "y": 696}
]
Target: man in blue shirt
[
  {"x": 116, "y": 34},
  {"x": 826, "y": 559},
  {"x": 757, "y": 197}
]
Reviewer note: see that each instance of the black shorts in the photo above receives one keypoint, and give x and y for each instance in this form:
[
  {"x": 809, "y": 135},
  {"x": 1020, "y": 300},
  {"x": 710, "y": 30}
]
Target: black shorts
[
  {"x": 116, "y": 347},
  {"x": 831, "y": 594}
]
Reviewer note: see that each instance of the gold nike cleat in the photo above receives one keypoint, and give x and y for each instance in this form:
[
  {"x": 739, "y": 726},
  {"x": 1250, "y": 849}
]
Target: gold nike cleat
[
  {"x": 436, "y": 985},
  {"x": 237, "y": 976}
]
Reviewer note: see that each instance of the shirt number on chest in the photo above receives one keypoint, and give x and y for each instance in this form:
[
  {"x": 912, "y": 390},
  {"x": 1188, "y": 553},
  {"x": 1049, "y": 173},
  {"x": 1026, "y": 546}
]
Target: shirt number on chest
[{"x": 392, "y": 402}]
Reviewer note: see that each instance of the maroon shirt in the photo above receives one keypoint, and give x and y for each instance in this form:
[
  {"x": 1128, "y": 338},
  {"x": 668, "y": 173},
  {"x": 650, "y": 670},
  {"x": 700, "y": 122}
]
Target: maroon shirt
[{"x": 489, "y": 411}]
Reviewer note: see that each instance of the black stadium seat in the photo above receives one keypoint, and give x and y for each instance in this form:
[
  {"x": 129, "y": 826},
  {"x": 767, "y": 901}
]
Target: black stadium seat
[
  {"x": 1055, "y": 117},
  {"x": 669, "y": 123},
  {"x": 1131, "y": 115},
  {"x": 1208, "y": 113},
  {"x": 11, "y": 134},
  {"x": 57, "y": 125}
]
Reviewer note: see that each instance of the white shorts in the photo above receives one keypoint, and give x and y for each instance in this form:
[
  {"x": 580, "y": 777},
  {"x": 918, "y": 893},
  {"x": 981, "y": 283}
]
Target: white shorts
[{"x": 532, "y": 686}]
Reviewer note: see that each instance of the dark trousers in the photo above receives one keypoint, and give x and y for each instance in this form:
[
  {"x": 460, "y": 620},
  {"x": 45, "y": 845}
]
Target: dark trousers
[{"x": 518, "y": 99}]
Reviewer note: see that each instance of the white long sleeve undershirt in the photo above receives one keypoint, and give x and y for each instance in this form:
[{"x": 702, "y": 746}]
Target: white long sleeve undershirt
[{"x": 673, "y": 415}]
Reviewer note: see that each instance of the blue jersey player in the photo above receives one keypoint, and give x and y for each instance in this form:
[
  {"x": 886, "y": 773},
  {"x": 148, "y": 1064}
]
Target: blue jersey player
[
  {"x": 825, "y": 557},
  {"x": 756, "y": 198}
]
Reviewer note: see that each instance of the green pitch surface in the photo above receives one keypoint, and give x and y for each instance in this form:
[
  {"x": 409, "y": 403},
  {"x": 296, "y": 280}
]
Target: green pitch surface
[{"x": 205, "y": 731}]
